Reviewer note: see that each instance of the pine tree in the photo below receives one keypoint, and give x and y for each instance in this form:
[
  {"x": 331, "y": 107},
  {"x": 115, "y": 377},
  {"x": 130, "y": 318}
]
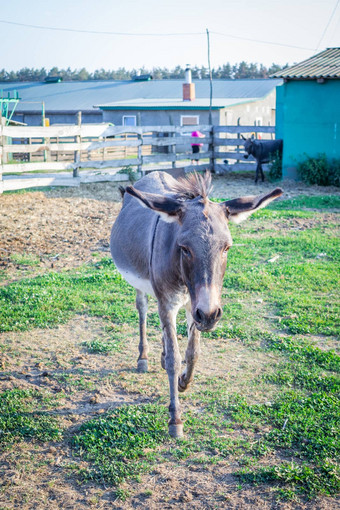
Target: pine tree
[{"x": 241, "y": 70}]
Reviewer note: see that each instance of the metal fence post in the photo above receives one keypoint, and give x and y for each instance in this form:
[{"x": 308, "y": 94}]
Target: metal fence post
[
  {"x": 173, "y": 149},
  {"x": 77, "y": 153},
  {"x": 139, "y": 152},
  {"x": 238, "y": 136},
  {"x": 212, "y": 149},
  {"x": 2, "y": 153}
]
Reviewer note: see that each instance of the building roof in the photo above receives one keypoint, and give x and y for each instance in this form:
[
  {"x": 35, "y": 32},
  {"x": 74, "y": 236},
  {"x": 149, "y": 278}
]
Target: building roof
[
  {"x": 83, "y": 95},
  {"x": 323, "y": 65},
  {"x": 174, "y": 104}
]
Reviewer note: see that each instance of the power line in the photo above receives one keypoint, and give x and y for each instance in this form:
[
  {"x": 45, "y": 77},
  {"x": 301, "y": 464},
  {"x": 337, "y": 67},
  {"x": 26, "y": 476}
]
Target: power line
[
  {"x": 329, "y": 22},
  {"x": 261, "y": 41},
  {"x": 134, "y": 34},
  {"x": 60, "y": 29}
]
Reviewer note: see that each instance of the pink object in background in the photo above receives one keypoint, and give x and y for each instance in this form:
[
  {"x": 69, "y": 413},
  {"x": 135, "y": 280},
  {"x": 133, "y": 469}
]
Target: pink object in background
[{"x": 197, "y": 134}]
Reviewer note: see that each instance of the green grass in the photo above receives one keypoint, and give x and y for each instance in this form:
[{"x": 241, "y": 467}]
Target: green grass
[
  {"x": 307, "y": 202},
  {"x": 51, "y": 299},
  {"x": 305, "y": 377},
  {"x": 43, "y": 189},
  {"x": 120, "y": 445},
  {"x": 24, "y": 259},
  {"x": 23, "y": 416},
  {"x": 75, "y": 381},
  {"x": 300, "y": 350},
  {"x": 100, "y": 346},
  {"x": 301, "y": 286},
  {"x": 112, "y": 342},
  {"x": 309, "y": 424},
  {"x": 296, "y": 478}
]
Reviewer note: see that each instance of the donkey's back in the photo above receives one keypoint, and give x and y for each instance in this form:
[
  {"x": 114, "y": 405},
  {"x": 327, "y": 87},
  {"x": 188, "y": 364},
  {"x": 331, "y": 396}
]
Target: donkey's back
[
  {"x": 267, "y": 149},
  {"x": 132, "y": 233}
]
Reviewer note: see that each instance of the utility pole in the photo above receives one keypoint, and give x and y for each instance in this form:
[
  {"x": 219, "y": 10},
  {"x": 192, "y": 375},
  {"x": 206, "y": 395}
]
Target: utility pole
[
  {"x": 210, "y": 79},
  {"x": 211, "y": 145}
]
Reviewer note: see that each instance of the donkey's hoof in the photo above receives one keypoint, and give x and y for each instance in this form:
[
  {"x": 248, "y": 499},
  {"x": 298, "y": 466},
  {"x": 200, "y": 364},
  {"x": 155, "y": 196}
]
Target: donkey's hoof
[
  {"x": 182, "y": 386},
  {"x": 142, "y": 366},
  {"x": 176, "y": 430}
]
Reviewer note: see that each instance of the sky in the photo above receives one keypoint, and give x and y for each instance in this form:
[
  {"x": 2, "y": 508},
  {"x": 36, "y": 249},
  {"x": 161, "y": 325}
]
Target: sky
[{"x": 170, "y": 33}]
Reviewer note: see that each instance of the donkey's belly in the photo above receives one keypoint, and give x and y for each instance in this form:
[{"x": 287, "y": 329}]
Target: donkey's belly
[{"x": 137, "y": 281}]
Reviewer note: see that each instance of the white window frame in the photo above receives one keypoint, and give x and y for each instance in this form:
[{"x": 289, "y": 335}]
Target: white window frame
[
  {"x": 191, "y": 116},
  {"x": 129, "y": 117}
]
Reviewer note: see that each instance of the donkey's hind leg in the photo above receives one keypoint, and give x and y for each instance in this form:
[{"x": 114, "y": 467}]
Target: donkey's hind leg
[{"x": 142, "y": 307}]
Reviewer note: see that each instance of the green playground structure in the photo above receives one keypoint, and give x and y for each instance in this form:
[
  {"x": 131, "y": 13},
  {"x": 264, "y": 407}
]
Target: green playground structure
[{"x": 8, "y": 105}]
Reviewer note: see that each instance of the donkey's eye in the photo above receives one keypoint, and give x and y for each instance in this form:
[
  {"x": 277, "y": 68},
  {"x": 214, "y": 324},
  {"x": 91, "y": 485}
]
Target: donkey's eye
[
  {"x": 226, "y": 248},
  {"x": 185, "y": 251}
]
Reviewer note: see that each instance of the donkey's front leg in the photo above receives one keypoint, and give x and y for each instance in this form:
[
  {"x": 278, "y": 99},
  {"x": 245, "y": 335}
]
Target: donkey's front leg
[
  {"x": 191, "y": 355},
  {"x": 142, "y": 307},
  {"x": 262, "y": 172},
  {"x": 257, "y": 173},
  {"x": 172, "y": 365}
]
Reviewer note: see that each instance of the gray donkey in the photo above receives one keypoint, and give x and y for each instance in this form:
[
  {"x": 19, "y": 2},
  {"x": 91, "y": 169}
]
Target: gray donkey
[
  {"x": 171, "y": 241},
  {"x": 263, "y": 151}
]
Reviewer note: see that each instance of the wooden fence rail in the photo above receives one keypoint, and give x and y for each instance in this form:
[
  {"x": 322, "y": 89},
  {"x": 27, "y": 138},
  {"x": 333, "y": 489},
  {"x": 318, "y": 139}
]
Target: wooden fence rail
[{"x": 103, "y": 151}]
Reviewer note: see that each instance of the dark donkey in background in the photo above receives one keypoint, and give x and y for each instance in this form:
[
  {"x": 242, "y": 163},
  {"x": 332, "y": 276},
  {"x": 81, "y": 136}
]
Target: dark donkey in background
[
  {"x": 263, "y": 151},
  {"x": 171, "y": 241}
]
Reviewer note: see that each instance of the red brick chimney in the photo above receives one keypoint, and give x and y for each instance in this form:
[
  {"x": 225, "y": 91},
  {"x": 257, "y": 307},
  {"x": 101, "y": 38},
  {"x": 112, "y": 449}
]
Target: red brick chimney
[{"x": 188, "y": 86}]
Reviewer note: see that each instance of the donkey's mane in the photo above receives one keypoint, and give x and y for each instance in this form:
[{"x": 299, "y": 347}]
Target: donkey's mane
[{"x": 192, "y": 186}]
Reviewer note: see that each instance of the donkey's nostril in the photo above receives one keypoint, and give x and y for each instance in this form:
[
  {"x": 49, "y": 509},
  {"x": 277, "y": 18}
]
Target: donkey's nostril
[
  {"x": 218, "y": 314},
  {"x": 207, "y": 319},
  {"x": 199, "y": 315}
]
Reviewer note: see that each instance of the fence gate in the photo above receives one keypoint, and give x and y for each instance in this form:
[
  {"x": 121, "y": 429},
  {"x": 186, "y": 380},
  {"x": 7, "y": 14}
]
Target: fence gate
[{"x": 33, "y": 156}]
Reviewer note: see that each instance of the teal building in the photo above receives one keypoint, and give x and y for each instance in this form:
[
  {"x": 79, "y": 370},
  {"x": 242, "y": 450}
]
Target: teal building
[{"x": 308, "y": 109}]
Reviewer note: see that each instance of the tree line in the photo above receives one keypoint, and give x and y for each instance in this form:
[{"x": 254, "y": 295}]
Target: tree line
[{"x": 227, "y": 71}]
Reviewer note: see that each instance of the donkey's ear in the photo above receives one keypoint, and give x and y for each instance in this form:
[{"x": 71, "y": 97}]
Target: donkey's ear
[
  {"x": 240, "y": 209},
  {"x": 169, "y": 209},
  {"x": 243, "y": 138}
]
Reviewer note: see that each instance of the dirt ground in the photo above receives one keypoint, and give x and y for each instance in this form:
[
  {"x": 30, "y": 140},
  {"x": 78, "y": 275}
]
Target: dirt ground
[{"x": 64, "y": 228}]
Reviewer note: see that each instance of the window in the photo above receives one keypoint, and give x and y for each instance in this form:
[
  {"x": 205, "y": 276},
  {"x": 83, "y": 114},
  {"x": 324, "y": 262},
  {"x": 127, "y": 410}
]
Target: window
[
  {"x": 129, "y": 120},
  {"x": 190, "y": 120}
]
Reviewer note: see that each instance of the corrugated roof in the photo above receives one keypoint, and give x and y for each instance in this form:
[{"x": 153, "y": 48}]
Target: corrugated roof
[
  {"x": 323, "y": 65},
  {"x": 83, "y": 95}
]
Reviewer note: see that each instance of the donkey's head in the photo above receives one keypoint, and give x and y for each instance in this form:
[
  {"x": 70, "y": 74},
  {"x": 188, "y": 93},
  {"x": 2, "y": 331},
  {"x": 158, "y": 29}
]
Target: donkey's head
[
  {"x": 248, "y": 146},
  {"x": 202, "y": 239}
]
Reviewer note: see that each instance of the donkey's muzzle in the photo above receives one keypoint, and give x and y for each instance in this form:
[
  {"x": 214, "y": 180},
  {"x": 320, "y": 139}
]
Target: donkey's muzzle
[{"x": 207, "y": 321}]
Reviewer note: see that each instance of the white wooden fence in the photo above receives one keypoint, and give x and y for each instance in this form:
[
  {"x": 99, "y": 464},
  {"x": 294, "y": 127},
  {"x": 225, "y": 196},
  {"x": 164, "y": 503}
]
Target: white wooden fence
[{"x": 72, "y": 154}]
